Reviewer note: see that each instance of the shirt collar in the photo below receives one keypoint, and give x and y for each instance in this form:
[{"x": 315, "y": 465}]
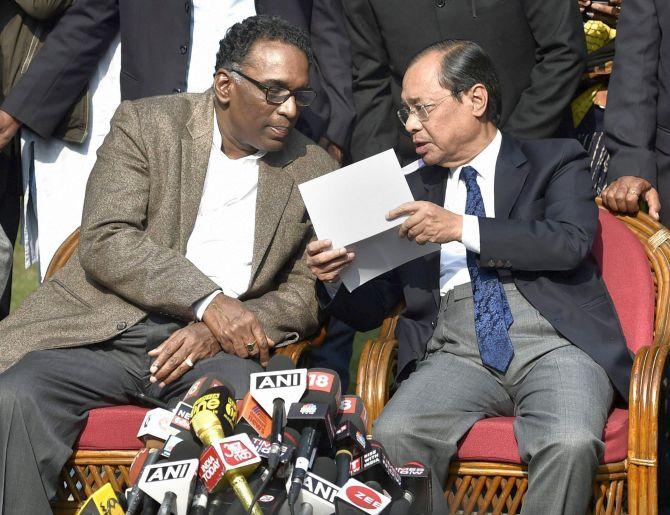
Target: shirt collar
[
  {"x": 217, "y": 142},
  {"x": 485, "y": 161}
]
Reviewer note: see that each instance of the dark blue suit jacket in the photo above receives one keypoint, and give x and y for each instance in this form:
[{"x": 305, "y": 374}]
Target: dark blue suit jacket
[{"x": 542, "y": 233}]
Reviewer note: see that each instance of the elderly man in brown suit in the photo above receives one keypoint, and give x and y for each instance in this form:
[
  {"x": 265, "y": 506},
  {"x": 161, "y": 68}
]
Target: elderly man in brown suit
[{"x": 192, "y": 214}]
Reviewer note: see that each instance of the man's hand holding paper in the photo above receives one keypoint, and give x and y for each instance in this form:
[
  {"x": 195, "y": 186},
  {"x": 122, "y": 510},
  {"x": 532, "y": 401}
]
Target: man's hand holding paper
[
  {"x": 349, "y": 208},
  {"x": 427, "y": 223}
]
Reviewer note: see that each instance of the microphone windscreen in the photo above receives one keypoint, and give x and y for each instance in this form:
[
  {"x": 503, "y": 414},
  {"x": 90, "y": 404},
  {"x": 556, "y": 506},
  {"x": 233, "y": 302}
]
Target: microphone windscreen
[
  {"x": 220, "y": 400},
  {"x": 352, "y": 409},
  {"x": 137, "y": 464},
  {"x": 279, "y": 362},
  {"x": 324, "y": 387},
  {"x": 201, "y": 385},
  {"x": 187, "y": 449},
  {"x": 325, "y": 468},
  {"x": 291, "y": 436}
]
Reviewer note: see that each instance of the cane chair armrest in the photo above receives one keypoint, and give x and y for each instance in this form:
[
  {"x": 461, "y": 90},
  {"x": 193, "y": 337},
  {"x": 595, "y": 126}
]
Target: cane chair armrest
[
  {"x": 376, "y": 370},
  {"x": 648, "y": 377}
]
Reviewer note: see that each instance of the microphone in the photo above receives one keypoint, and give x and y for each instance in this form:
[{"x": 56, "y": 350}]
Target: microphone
[
  {"x": 317, "y": 495},
  {"x": 104, "y": 501},
  {"x": 219, "y": 402},
  {"x": 314, "y": 417},
  {"x": 290, "y": 438},
  {"x": 251, "y": 413},
  {"x": 182, "y": 410},
  {"x": 228, "y": 462},
  {"x": 375, "y": 465},
  {"x": 350, "y": 434},
  {"x": 225, "y": 460},
  {"x": 200, "y": 499},
  {"x": 276, "y": 390},
  {"x": 170, "y": 484},
  {"x": 418, "y": 489},
  {"x": 355, "y": 498},
  {"x": 136, "y": 494},
  {"x": 156, "y": 428}
]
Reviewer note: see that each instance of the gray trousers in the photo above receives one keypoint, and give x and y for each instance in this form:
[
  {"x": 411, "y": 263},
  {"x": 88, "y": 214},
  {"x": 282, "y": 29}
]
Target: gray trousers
[
  {"x": 6, "y": 251},
  {"x": 559, "y": 396},
  {"x": 45, "y": 399}
]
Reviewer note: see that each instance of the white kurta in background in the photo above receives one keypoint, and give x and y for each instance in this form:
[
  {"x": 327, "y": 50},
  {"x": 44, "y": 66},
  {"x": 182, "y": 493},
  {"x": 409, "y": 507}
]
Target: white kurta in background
[{"x": 55, "y": 173}]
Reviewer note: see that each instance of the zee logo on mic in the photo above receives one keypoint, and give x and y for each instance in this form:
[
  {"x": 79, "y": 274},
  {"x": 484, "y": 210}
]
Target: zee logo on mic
[{"x": 364, "y": 497}]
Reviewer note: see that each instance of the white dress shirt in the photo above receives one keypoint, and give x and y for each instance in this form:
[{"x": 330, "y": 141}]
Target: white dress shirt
[
  {"x": 453, "y": 263},
  {"x": 222, "y": 242},
  {"x": 211, "y": 21}
]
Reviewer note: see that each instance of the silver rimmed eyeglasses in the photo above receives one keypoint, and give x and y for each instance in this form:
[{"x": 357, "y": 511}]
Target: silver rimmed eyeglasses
[{"x": 420, "y": 111}]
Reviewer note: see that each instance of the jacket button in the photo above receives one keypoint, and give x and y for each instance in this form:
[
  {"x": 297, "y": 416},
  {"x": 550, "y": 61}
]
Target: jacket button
[
  {"x": 440, "y": 3},
  {"x": 433, "y": 324},
  {"x": 183, "y": 49},
  {"x": 121, "y": 326},
  {"x": 187, "y": 6}
]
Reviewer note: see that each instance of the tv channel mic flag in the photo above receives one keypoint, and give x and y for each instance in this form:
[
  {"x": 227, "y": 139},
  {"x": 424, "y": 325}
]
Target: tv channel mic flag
[
  {"x": 350, "y": 438},
  {"x": 375, "y": 465},
  {"x": 172, "y": 480},
  {"x": 356, "y": 498}
]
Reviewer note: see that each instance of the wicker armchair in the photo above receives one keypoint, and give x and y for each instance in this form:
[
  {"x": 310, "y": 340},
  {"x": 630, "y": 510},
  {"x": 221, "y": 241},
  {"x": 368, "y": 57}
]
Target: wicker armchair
[
  {"x": 107, "y": 445},
  {"x": 487, "y": 474}
]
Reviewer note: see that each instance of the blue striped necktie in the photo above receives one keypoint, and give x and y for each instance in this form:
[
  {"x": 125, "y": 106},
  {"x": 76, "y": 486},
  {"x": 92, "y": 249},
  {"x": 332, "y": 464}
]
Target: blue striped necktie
[{"x": 492, "y": 314}]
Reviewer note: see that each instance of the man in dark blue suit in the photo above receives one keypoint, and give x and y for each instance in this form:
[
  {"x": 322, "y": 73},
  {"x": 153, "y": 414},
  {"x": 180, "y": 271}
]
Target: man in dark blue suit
[{"x": 511, "y": 317}]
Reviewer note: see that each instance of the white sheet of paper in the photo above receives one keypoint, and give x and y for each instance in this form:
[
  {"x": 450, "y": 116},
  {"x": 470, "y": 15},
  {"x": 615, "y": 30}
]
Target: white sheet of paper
[{"x": 348, "y": 206}]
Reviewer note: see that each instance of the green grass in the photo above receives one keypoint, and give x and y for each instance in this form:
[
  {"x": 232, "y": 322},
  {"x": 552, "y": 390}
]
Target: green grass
[{"x": 23, "y": 281}]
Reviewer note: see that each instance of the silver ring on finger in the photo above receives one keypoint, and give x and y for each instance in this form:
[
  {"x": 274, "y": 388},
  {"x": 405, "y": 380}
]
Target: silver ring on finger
[
  {"x": 250, "y": 346},
  {"x": 188, "y": 362}
]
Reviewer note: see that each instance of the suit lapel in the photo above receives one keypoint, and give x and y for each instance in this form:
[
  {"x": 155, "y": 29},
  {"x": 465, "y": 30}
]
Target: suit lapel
[
  {"x": 511, "y": 172},
  {"x": 195, "y": 149},
  {"x": 430, "y": 183},
  {"x": 274, "y": 189}
]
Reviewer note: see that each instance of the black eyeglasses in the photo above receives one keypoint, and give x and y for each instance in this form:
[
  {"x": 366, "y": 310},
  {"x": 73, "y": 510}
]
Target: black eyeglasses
[{"x": 277, "y": 95}]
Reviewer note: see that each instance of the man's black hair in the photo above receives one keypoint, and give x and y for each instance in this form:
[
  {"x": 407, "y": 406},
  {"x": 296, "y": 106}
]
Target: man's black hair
[
  {"x": 464, "y": 64},
  {"x": 235, "y": 46}
]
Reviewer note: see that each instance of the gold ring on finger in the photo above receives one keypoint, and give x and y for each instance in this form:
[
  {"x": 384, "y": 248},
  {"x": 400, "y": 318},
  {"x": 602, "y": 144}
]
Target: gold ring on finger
[{"x": 633, "y": 192}]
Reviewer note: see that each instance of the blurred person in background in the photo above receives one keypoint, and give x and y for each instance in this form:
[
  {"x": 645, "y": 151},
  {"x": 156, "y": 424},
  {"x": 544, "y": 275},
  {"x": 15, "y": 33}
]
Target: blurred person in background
[
  {"x": 637, "y": 119},
  {"x": 23, "y": 27}
]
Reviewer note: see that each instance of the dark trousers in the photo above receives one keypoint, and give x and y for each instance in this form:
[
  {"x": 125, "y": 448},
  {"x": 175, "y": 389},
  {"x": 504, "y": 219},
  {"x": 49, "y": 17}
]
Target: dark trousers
[
  {"x": 45, "y": 399},
  {"x": 335, "y": 352},
  {"x": 10, "y": 207},
  {"x": 663, "y": 166}
]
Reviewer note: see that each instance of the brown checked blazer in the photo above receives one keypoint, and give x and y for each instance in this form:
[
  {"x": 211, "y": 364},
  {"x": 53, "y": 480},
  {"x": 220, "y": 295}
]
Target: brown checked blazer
[{"x": 141, "y": 203}]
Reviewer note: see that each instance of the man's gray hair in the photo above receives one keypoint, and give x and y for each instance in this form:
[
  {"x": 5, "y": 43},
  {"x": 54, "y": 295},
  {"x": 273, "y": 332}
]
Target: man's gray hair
[{"x": 464, "y": 64}]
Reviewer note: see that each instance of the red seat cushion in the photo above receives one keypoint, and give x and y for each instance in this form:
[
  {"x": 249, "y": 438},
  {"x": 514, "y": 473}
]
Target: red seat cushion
[
  {"x": 112, "y": 429},
  {"x": 626, "y": 272},
  {"x": 492, "y": 439}
]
